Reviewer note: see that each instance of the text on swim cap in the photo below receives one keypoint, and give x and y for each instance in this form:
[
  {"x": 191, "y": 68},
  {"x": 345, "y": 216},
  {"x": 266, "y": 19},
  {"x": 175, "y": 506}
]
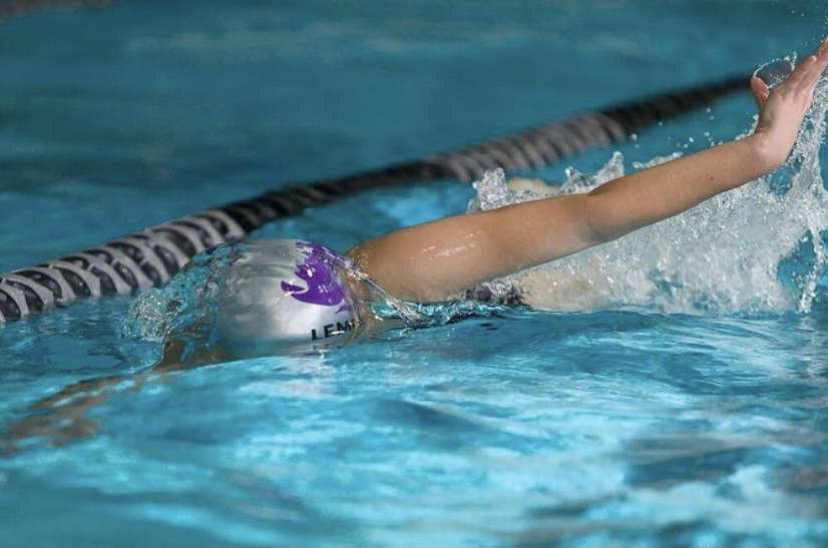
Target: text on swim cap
[{"x": 332, "y": 330}]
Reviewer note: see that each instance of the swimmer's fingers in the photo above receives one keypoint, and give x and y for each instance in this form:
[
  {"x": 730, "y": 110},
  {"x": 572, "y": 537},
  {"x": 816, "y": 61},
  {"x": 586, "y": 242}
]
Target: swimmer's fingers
[
  {"x": 761, "y": 91},
  {"x": 812, "y": 69},
  {"x": 806, "y": 76},
  {"x": 818, "y": 65}
]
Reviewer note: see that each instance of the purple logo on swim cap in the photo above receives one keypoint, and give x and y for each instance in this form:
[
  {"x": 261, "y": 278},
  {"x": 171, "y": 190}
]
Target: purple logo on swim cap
[{"x": 316, "y": 271}]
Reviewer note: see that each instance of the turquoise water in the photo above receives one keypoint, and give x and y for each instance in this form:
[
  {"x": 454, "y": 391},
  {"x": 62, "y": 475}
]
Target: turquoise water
[{"x": 683, "y": 424}]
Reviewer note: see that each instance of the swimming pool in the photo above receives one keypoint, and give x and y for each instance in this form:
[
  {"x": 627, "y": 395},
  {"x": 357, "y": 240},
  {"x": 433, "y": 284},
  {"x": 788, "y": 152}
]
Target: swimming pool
[{"x": 643, "y": 426}]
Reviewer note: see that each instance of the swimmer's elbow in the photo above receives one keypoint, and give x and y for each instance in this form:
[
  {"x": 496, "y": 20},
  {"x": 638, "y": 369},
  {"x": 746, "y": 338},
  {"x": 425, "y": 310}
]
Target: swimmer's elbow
[{"x": 593, "y": 229}]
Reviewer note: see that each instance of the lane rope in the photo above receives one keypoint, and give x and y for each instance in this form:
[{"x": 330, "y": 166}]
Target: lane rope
[{"x": 152, "y": 256}]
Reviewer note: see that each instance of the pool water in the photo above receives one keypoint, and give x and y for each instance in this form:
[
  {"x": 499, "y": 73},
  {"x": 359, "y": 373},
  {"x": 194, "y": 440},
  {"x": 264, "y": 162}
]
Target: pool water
[{"x": 696, "y": 421}]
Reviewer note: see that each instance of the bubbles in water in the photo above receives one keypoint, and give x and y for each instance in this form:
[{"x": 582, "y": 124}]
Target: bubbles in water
[{"x": 757, "y": 248}]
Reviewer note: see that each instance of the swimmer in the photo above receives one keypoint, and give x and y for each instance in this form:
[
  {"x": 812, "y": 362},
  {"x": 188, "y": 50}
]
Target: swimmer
[{"x": 300, "y": 292}]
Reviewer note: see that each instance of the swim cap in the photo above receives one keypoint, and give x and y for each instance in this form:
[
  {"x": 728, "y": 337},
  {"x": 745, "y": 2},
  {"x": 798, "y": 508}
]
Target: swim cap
[{"x": 279, "y": 293}]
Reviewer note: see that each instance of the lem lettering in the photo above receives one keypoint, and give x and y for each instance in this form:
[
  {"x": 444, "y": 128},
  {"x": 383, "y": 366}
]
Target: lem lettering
[{"x": 332, "y": 330}]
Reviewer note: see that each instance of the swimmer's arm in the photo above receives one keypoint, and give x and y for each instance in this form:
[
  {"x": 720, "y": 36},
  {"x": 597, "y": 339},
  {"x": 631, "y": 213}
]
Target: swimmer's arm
[
  {"x": 437, "y": 260},
  {"x": 649, "y": 196}
]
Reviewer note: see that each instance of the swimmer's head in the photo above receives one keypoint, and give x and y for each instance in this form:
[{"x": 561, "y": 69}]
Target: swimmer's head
[{"x": 279, "y": 294}]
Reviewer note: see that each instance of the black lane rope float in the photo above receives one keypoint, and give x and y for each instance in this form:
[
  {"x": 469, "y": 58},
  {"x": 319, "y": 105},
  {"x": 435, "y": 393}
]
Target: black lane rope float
[{"x": 150, "y": 257}]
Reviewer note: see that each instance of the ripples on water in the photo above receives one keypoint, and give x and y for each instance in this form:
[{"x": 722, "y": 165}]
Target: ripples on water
[
  {"x": 688, "y": 410},
  {"x": 520, "y": 429}
]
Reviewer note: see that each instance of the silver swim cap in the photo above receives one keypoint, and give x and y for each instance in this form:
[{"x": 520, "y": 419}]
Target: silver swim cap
[{"x": 281, "y": 293}]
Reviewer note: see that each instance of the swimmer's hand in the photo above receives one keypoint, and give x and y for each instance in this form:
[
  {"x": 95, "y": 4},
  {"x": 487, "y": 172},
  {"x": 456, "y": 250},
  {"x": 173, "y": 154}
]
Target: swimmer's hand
[{"x": 782, "y": 109}]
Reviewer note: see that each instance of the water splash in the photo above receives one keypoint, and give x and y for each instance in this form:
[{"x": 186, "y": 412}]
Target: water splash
[
  {"x": 186, "y": 307},
  {"x": 755, "y": 249},
  {"x": 777, "y": 71}
]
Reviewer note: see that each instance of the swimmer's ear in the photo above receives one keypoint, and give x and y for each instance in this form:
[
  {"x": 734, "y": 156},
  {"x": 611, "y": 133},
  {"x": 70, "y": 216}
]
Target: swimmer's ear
[{"x": 761, "y": 91}]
